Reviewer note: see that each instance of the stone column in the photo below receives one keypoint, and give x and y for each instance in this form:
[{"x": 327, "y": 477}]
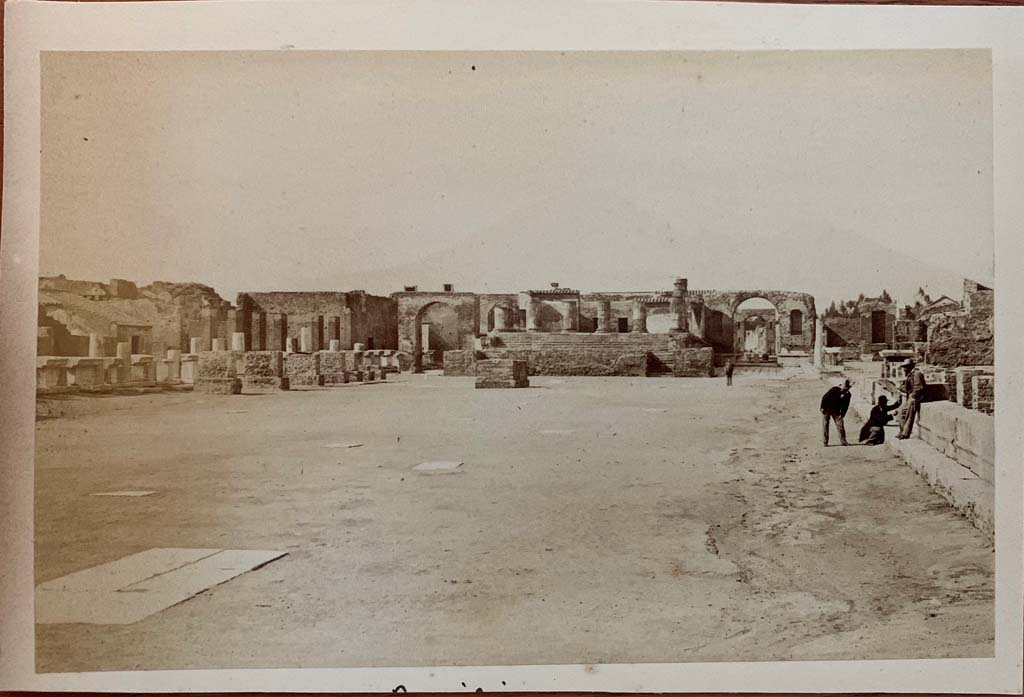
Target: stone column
[
  {"x": 679, "y": 305},
  {"x": 306, "y": 339},
  {"x": 95, "y": 346},
  {"x": 238, "y": 341},
  {"x": 218, "y": 345},
  {"x": 639, "y": 323},
  {"x": 124, "y": 362},
  {"x": 819, "y": 342},
  {"x": 570, "y": 316},
  {"x": 604, "y": 316},
  {"x": 334, "y": 330},
  {"x": 533, "y": 323}
]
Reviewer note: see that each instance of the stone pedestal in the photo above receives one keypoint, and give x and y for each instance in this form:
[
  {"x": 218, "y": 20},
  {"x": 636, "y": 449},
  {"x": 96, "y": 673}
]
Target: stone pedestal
[
  {"x": 195, "y": 345},
  {"x": 95, "y": 346},
  {"x": 238, "y": 341},
  {"x": 358, "y": 347},
  {"x": 263, "y": 371},
  {"x": 501, "y": 373},
  {"x": 172, "y": 367},
  {"x": 305, "y": 340},
  {"x": 124, "y": 363},
  {"x": 189, "y": 368},
  {"x": 218, "y": 345},
  {"x": 335, "y": 345}
]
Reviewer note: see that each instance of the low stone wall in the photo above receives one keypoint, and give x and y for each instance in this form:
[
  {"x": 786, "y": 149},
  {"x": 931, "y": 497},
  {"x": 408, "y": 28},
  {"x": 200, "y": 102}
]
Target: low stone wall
[
  {"x": 694, "y": 363},
  {"x": 303, "y": 369},
  {"x": 217, "y": 372},
  {"x": 460, "y": 363},
  {"x": 264, "y": 372},
  {"x": 965, "y": 382},
  {"x": 501, "y": 372},
  {"x": 583, "y": 361},
  {"x": 961, "y": 434}
]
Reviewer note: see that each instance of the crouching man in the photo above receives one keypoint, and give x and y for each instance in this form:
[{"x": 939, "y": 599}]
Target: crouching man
[{"x": 873, "y": 431}]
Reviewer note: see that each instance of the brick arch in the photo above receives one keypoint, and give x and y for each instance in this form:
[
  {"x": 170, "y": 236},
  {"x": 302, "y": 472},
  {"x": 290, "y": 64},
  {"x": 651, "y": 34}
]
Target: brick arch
[{"x": 784, "y": 301}]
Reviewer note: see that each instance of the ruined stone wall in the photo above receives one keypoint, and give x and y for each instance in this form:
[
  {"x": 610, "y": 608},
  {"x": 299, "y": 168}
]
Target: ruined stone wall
[
  {"x": 412, "y": 305},
  {"x": 961, "y": 339},
  {"x": 607, "y": 361},
  {"x": 459, "y": 363},
  {"x": 727, "y": 302}
]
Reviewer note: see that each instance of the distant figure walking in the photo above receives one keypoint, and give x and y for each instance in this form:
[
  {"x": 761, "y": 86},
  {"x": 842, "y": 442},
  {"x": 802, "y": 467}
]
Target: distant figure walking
[
  {"x": 834, "y": 404},
  {"x": 728, "y": 372},
  {"x": 873, "y": 430},
  {"x": 913, "y": 387}
]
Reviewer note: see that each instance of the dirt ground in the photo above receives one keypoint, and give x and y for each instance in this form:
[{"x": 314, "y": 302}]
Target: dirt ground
[{"x": 597, "y": 520}]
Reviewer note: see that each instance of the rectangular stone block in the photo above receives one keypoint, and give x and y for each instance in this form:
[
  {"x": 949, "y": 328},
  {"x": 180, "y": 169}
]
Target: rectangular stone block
[
  {"x": 303, "y": 369},
  {"x": 459, "y": 363},
  {"x": 501, "y": 373},
  {"x": 189, "y": 368},
  {"x": 332, "y": 367},
  {"x": 975, "y": 443},
  {"x": 263, "y": 371},
  {"x": 694, "y": 362},
  {"x": 937, "y": 425}
]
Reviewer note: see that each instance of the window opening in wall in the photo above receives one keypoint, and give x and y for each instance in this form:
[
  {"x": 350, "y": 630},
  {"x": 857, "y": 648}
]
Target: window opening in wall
[
  {"x": 796, "y": 323},
  {"x": 136, "y": 343},
  {"x": 623, "y": 325}
]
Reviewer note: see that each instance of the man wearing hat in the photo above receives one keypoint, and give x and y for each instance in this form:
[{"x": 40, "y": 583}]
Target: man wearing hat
[
  {"x": 913, "y": 386},
  {"x": 834, "y": 404}
]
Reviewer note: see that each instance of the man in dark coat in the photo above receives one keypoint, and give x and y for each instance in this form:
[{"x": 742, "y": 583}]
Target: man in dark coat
[
  {"x": 913, "y": 387},
  {"x": 834, "y": 404},
  {"x": 728, "y": 372},
  {"x": 873, "y": 430}
]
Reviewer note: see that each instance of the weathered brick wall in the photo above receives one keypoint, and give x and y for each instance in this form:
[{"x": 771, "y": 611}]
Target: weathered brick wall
[
  {"x": 350, "y": 317},
  {"x": 983, "y": 390},
  {"x": 910, "y": 331},
  {"x": 497, "y": 373},
  {"x": 965, "y": 384},
  {"x": 303, "y": 369},
  {"x": 460, "y": 363},
  {"x": 694, "y": 362}
]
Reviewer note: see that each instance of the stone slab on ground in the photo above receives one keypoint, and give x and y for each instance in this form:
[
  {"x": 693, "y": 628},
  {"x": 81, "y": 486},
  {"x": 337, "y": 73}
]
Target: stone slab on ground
[
  {"x": 137, "y": 586},
  {"x": 223, "y": 385}
]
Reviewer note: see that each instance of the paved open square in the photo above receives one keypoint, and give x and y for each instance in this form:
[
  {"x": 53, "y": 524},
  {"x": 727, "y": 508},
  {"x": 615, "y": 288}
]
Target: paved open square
[{"x": 592, "y": 519}]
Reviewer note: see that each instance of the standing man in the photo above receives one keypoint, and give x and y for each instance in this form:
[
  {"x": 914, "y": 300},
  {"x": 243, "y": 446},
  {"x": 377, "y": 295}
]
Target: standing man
[
  {"x": 834, "y": 404},
  {"x": 913, "y": 387},
  {"x": 728, "y": 372}
]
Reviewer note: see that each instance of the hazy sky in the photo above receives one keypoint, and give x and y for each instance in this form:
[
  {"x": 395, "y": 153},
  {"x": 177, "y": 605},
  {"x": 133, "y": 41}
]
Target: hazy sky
[{"x": 829, "y": 172}]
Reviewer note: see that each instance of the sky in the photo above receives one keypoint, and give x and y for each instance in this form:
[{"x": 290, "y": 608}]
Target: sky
[{"x": 834, "y": 173}]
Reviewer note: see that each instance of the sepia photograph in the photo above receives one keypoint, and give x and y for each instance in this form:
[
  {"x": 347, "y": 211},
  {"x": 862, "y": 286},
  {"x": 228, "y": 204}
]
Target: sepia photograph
[
  {"x": 654, "y": 350},
  {"x": 453, "y": 358}
]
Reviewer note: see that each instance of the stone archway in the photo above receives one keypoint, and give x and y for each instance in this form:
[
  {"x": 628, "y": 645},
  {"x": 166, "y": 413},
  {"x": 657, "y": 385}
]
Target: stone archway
[{"x": 457, "y": 323}]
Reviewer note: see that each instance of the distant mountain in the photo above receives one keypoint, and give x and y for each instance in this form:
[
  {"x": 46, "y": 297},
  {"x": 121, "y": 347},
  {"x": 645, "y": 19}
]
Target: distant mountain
[{"x": 597, "y": 240}]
